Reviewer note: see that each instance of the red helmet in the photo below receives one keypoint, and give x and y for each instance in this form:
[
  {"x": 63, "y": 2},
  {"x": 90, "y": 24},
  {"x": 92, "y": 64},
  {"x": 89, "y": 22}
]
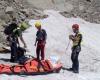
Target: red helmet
[{"x": 75, "y": 26}]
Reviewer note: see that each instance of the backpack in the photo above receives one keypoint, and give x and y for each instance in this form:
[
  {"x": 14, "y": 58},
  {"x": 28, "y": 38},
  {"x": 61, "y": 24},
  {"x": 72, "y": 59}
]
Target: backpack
[
  {"x": 21, "y": 55},
  {"x": 9, "y": 29},
  {"x": 23, "y": 26},
  {"x": 20, "y": 52}
]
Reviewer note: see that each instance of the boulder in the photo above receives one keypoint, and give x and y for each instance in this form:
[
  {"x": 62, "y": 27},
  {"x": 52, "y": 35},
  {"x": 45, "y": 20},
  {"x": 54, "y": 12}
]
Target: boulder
[{"x": 9, "y": 10}]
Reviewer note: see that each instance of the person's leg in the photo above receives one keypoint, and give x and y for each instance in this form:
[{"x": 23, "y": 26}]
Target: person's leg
[
  {"x": 76, "y": 63},
  {"x": 42, "y": 52},
  {"x": 72, "y": 58},
  {"x": 13, "y": 51},
  {"x": 38, "y": 52}
]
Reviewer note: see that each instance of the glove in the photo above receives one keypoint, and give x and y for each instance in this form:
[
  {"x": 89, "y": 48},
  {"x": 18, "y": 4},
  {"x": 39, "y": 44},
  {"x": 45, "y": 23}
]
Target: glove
[
  {"x": 25, "y": 46},
  {"x": 35, "y": 44},
  {"x": 71, "y": 37}
]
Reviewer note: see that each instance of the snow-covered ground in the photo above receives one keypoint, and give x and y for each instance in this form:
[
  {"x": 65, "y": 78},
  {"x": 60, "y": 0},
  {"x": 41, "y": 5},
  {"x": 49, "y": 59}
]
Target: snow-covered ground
[{"x": 58, "y": 29}]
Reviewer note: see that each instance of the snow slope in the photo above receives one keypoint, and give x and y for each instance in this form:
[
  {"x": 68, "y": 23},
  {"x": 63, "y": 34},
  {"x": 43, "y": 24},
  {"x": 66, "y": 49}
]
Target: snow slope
[{"x": 58, "y": 28}]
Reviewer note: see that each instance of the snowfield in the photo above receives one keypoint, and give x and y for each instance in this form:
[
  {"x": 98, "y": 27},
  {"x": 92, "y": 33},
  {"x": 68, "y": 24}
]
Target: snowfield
[{"x": 58, "y": 29}]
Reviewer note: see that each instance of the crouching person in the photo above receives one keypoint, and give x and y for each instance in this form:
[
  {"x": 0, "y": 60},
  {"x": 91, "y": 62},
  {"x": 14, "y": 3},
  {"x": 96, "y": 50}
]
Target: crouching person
[{"x": 40, "y": 42}]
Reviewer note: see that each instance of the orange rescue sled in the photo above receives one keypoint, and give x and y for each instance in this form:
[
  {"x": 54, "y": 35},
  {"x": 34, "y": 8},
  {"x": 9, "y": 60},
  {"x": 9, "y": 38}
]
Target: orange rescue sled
[{"x": 32, "y": 67}]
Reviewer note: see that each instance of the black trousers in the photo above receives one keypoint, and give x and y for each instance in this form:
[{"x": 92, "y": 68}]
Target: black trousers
[
  {"x": 13, "y": 50},
  {"x": 74, "y": 58}
]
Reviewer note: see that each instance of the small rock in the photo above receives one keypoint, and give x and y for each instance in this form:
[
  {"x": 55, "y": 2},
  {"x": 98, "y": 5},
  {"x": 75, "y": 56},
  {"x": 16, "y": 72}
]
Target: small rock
[
  {"x": 9, "y": 10},
  {"x": 25, "y": 11}
]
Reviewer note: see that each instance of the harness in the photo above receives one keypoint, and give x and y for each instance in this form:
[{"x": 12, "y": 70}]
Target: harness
[{"x": 77, "y": 40}]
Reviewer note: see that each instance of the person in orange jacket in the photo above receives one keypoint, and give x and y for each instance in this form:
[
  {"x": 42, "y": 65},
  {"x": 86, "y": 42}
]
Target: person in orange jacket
[{"x": 40, "y": 42}]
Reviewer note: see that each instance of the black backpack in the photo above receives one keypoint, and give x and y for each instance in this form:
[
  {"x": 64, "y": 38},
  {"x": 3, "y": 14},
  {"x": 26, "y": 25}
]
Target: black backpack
[
  {"x": 21, "y": 55},
  {"x": 20, "y": 52},
  {"x": 9, "y": 29}
]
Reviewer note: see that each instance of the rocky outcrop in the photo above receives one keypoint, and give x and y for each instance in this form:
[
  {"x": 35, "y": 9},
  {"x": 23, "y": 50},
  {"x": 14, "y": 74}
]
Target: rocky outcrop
[
  {"x": 17, "y": 9},
  {"x": 86, "y": 9}
]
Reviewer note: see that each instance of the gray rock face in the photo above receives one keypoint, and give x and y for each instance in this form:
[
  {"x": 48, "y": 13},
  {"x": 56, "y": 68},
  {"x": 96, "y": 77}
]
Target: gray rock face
[
  {"x": 17, "y": 9},
  {"x": 86, "y": 9}
]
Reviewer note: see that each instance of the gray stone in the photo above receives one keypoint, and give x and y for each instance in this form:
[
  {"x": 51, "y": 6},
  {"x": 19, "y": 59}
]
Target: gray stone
[
  {"x": 81, "y": 7},
  {"x": 9, "y": 10},
  {"x": 69, "y": 7}
]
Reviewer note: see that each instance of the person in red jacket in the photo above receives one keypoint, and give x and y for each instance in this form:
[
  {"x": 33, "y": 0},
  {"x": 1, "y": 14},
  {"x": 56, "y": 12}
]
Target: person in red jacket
[{"x": 40, "y": 42}]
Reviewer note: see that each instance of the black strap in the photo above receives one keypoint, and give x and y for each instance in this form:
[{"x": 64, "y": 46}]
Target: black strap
[
  {"x": 48, "y": 64},
  {"x": 80, "y": 39}
]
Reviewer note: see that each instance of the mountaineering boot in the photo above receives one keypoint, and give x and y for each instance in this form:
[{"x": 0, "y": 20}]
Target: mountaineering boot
[
  {"x": 12, "y": 60},
  {"x": 75, "y": 71},
  {"x": 70, "y": 69}
]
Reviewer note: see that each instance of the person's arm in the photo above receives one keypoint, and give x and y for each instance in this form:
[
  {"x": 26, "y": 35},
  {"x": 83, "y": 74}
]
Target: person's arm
[
  {"x": 18, "y": 42},
  {"x": 45, "y": 36},
  {"x": 36, "y": 39},
  {"x": 71, "y": 37},
  {"x": 35, "y": 42},
  {"x": 19, "y": 34},
  {"x": 22, "y": 40}
]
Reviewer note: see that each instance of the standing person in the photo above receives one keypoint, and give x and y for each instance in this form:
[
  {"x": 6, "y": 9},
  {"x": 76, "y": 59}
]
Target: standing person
[
  {"x": 76, "y": 48},
  {"x": 14, "y": 33},
  {"x": 41, "y": 36}
]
